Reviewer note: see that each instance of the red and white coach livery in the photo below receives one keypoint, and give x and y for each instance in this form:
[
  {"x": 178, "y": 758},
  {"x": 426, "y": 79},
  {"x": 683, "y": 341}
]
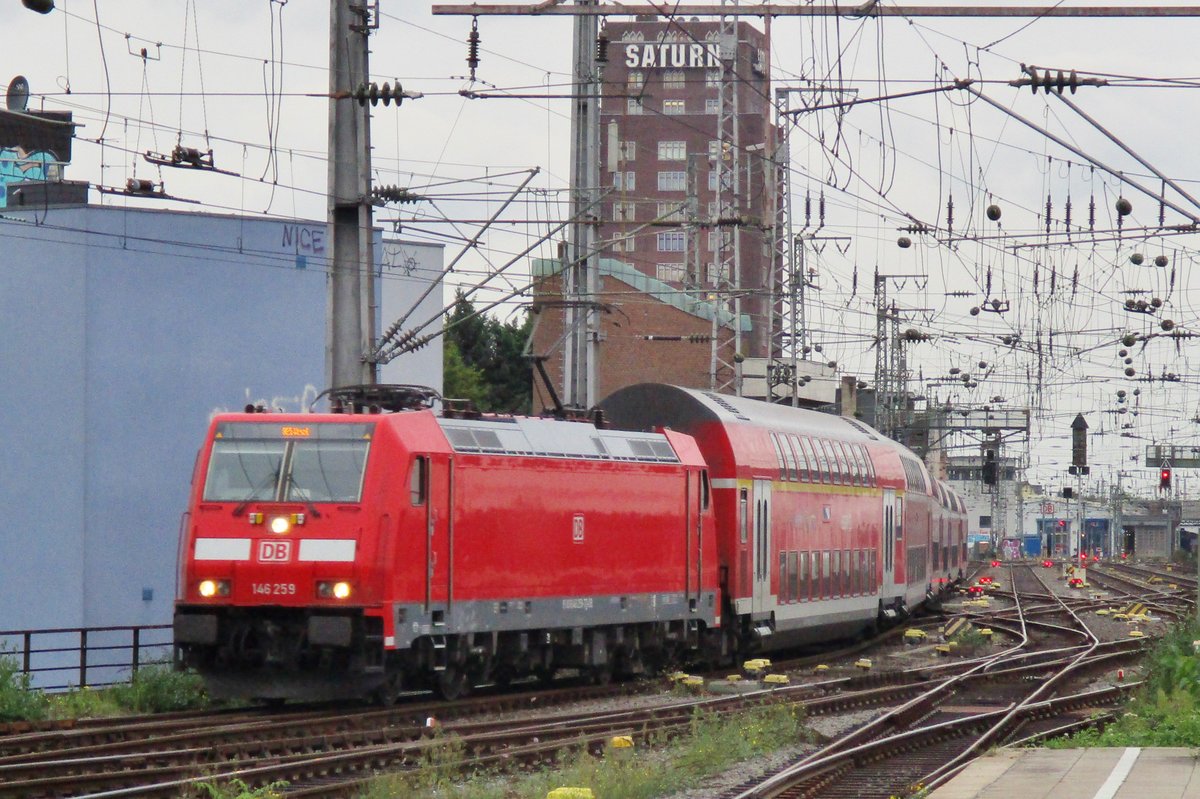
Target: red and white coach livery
[{"x": 824, "y": 527}]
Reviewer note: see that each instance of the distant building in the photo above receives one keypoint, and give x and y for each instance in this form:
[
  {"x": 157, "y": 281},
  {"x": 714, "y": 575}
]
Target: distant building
[
  {"x": 121, "y": 332},
  {"x": 659, "y": 267}
]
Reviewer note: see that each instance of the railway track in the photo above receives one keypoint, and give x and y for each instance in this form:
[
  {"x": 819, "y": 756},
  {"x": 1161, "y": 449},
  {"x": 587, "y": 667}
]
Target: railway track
[
  {"x": 930, "y": 738},
  {"x": 940, "y": 709}
]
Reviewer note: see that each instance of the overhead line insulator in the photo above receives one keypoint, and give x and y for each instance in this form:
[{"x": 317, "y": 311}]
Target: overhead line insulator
[{"x": 374, "y": 93}]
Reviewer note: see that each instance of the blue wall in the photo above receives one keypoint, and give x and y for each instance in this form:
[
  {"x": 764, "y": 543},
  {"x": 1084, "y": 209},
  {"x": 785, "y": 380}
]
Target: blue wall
[{"x": 121, "y": 332}]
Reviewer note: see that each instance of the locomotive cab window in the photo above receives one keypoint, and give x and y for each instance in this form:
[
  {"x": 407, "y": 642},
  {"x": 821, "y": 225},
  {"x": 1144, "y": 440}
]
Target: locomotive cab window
[
  {"x": 271, "y": 462},
  {"x": 418, "y": 480},
  {"x": 705, "y": 496}
]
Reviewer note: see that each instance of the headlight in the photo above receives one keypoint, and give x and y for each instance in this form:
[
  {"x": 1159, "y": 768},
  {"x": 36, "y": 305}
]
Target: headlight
[
  {"x": 280, "y": 525},
  {"x": 332, "y": 590},
  {"x": 211, "y": 588}
]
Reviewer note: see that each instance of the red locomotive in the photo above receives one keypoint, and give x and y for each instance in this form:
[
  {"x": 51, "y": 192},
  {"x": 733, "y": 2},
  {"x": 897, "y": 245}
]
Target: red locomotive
[{"x": 386, "y": 547}]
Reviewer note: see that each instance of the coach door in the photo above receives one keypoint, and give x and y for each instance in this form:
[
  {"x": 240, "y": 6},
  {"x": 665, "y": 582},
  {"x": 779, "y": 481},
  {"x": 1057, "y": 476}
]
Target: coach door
[
  {"x": 888, "y": 548},
  {"x": 761, "y": 555}
]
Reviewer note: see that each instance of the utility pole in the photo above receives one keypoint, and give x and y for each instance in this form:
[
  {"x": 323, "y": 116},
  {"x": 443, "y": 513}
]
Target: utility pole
[
  {"x": 729, "y": 209},
  {"x": 583, "y": 259},
  {"x": 351, "y": 306}
]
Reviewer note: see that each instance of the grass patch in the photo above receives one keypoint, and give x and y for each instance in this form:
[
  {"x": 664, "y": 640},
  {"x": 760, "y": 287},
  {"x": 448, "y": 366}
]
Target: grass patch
[
  {"x": 18, "y": 702},
  {"x": 161, "y": 689},
  {"x": 659, "y": 766},
  {"x": 1166, "y": 710},
  {"x": 236, "y": 789},
  {"x": 153, "y": 689}
]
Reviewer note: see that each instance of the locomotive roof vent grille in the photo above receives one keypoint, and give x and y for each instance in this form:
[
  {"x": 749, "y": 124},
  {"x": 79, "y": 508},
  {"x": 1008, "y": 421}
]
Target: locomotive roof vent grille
[
  {"x": 465, "y": 439},
  {"x": 717, "y": 398},
  {"x": 552, "y": 439}
]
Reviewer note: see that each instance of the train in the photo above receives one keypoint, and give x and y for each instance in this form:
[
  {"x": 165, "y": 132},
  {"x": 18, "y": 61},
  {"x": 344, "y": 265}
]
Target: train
[{"x": 400, "y": 543}]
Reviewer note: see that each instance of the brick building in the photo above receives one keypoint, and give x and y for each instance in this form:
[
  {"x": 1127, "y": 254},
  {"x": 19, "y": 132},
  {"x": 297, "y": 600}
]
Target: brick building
[{"x": 660, "y": 273}]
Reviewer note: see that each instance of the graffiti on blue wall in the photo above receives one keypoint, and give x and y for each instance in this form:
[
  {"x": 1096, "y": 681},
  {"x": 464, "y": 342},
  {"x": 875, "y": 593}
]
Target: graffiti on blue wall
[{"x": 16, "y": 166}]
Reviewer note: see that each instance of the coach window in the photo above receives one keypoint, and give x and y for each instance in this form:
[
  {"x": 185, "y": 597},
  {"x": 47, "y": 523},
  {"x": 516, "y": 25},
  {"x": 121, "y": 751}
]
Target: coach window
[
  {"x": 419, "y": 480},
  {"x": 816, "y": 575},
  {"x": 835, "y": 468},
  {"x": 856, "y": 465},
  {"x": 804, "y": 575},
  {"x": 843, "y": 464},
  {"x": 874, "y": 574},
  {"x": 793, "y": 578},
  {"x": 837, "y": 573},
  {"x": 783, "y": 583},
  {"x": 827, "y": 583},
  {"x": 851, "y": 464},
  {"x": 863, "y": 581},
  {"x": 802, "y": 465},
  {"x": 899, "y": 518},
  {"x": 870, "y": 467},
  {"x": 743, "y": 507},
  {"x": 790, "y": 458},
  {"x": 822, "y": 460},
  {"x": 843, "y": 468},
  {"x": 779, "y": 456}
]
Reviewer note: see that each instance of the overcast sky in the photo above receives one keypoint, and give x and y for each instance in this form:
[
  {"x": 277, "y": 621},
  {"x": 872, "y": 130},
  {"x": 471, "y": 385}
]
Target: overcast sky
[{"x": 236, "y": 75}]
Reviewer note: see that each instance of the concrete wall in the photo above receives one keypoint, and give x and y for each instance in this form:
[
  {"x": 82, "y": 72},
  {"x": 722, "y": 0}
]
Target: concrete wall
[{"x": 120, "y": 334}]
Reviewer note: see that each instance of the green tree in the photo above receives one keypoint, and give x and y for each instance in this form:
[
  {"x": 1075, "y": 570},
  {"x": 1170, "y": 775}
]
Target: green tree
[
  {"x": 492, "y": 350},
  {"x": 461, "y": 381}
]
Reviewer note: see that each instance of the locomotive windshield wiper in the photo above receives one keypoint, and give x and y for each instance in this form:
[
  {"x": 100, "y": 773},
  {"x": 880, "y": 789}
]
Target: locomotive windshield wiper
[
  {"x": 270, "y": 479},
  {"x": 312, "y": 509}
]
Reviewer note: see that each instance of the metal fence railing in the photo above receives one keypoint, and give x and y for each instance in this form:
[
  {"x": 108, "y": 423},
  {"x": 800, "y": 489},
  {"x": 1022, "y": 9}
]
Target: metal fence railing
[{"x": 75, "y": 657}]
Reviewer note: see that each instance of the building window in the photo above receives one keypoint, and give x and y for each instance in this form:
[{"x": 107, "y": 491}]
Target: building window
[
  {"x": 716, "y": 274},
  {"x": 672, "y": 212},
  {"x": 712, "y": 180},
  {"x": 624, "y": 181},
  {"x": 712, "y": 78},
  {"x": 623, "y": 211},
  {"x": 712, "y": 105},
  {"x": 985, "y": 522},
  {"x": 672, "y": 150},
  {"x": 627, "y": 150},
  {"x": 714, "y": 209},
  {"x": 635, "y": 81},
  {"x": 633, "y": 106},
  {"x": 672, "y": 181},
  {"x": 671, "y": 241},
  {"x": 670, "y": 273},
  {"x": 712, "y": 241},
  {"x": 673, "y": 79},
  {"x": 674, "y": 107}
]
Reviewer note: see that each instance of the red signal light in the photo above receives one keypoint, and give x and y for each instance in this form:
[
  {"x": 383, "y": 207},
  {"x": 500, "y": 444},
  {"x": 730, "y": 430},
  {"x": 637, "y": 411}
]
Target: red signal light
[
  {"x": 1164, "y": 478},
  {"x": 995, "y": 563}
]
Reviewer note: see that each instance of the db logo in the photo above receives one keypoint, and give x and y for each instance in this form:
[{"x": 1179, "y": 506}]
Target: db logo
[
  {"x": 577, "y": 529},
  {"x": 274, "y": 551}
]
